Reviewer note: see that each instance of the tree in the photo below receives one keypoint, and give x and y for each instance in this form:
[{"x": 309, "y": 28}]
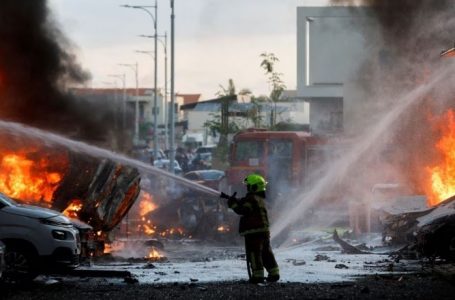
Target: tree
[
  {"x": 274, "y": 79},
  {"x": 226, "y": 91}
]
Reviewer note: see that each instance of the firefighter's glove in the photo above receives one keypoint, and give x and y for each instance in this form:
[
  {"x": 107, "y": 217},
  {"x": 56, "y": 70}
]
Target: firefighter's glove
[
  {"x": 232, "y": 200},
  {"x": 224, "y": 196}
]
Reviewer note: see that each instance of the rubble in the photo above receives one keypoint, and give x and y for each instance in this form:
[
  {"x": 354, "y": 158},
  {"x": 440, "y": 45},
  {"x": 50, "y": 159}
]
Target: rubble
[{"x": 430, "y": 233}]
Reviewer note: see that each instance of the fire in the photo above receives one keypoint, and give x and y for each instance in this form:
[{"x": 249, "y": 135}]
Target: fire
[
  {"x": 149, "y": 230},
  {"x": 73, "y": 209},
  {"x": 154, "y": 254},
  {"x": 146, "y": 204},
  {"x": 222, "y": 228},
  {"x": 26, "y": 179},
  {"x": 442, "y": 174}
]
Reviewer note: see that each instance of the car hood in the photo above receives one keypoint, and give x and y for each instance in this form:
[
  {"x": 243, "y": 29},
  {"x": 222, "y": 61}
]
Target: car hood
[{"x": 31, "y": 211}]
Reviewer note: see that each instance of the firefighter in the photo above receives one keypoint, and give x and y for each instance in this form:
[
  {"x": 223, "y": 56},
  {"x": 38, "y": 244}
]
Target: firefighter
[{"x": 254, "y": 226}]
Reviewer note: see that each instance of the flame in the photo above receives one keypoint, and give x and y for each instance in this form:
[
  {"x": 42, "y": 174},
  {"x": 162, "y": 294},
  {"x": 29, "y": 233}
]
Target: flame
[
  {"x": 73, "y": 209},
  {"x": 26, "y": 179},
  {"x": 222, "y": 228},
  {"x": 442, "y": 174},
  {"x": 146, "y": 204},
  {"x": 149, "y": 230},
  {"x": 154, "y": 254}
]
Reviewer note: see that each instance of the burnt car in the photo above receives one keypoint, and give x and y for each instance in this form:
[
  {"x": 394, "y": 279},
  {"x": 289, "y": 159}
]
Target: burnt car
[{"x": 209, "y": 178}]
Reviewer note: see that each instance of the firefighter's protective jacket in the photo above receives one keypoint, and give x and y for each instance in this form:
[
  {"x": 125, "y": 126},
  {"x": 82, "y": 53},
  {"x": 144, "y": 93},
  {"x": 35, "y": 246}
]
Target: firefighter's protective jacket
[{"x": 253, "y": 213}]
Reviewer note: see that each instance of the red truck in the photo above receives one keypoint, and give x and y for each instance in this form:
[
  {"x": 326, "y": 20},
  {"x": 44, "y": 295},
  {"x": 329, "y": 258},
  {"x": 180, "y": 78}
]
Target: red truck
[{"x": 288, "y": 159}]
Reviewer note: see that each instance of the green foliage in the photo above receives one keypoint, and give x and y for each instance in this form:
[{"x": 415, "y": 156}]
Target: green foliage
[
  {"x": 226, "y": 91},
  {"x": 274, "y": 78},
  {"x": 214, "y": 125}
]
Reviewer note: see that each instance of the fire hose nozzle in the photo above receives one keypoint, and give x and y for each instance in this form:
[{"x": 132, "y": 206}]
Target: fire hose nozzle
[{"x": 226, "y": 196}]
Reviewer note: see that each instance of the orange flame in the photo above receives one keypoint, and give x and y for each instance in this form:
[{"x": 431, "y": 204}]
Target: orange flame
[
  {"x": 146, "y": 204},
  {"x": 222, "y": 228},
  {"x": 154, "y": 254},
  {"x": 26, "y": 179},
  {"x": 442, "y": 185},
  {"x": 73, "y": 209}
]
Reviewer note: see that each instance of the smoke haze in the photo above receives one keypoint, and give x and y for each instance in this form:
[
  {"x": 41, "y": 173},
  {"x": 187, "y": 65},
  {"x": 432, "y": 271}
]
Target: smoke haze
[
  {"x": 36, "y": 67},
  {"x": 401, "y": 86}
]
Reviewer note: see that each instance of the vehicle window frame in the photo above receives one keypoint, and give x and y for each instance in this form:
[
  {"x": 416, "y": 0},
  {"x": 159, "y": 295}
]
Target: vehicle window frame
[{"x": 260, "y": 151}]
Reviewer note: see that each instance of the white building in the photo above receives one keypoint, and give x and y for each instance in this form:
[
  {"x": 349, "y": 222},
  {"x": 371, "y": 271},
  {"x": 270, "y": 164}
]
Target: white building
[{"x": 330, "y": 50}]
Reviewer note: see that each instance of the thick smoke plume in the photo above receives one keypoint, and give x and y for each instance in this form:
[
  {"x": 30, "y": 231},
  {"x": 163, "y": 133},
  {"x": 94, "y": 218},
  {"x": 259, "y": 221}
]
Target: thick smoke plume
[
  {"x": 36, "y": 66},
  {"x": 390, "y": 103},
  {"x": 412, "y": 35}
]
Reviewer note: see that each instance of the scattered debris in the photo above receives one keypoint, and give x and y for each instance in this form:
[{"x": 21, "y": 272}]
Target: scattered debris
[
  {"x": 347, "y": 248},
  {"x": 161, "y": 273},
  {"x": 130, "y": 280},
  {"x": 341, "y": 266},
  {"x": 296, "y": 262},
  {"x": 321, "y": 257},
  {"x": 149, "y": 266}
]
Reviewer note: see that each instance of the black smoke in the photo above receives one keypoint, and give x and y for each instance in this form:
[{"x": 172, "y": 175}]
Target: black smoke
[{"x": 37, "y": 65}]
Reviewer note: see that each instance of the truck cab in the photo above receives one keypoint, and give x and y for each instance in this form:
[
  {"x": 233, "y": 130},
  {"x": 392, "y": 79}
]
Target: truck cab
[{"x": 283, "y": 157}]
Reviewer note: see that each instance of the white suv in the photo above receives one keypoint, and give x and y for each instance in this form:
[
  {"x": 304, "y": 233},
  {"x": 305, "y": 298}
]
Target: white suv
[{"x": 36, "y": 240}]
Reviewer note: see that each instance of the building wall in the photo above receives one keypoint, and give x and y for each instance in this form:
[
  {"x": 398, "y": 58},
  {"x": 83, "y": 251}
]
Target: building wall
[
  {"x": 147, "y": 102},
  {"x": 330, "y": 50}
]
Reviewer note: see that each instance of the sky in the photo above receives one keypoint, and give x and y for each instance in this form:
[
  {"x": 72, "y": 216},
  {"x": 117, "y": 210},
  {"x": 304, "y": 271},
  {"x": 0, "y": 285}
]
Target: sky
[{"x": 215, "y": 40}]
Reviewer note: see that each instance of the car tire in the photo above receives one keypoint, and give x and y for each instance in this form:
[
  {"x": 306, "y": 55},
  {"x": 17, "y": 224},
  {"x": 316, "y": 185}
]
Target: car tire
[{"x": 20, "y": 264}]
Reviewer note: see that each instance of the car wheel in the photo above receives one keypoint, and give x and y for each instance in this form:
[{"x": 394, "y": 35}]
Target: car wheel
[{"x": 19, "y": 265}]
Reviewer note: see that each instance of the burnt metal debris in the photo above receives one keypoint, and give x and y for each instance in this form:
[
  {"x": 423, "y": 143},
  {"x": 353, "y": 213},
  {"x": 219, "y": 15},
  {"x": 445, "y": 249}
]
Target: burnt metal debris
[{"x": 423, "y": 234}]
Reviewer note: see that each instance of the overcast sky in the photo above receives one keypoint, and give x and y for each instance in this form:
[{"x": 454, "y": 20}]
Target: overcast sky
[{"x": 215, "y": 40}]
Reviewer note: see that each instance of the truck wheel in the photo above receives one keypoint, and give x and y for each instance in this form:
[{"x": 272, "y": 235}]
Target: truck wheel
[{"x": 20, "y": 265}]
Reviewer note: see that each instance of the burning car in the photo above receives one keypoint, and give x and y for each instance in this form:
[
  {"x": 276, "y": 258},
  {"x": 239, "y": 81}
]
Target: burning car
[{"x": 96, "y": 191}]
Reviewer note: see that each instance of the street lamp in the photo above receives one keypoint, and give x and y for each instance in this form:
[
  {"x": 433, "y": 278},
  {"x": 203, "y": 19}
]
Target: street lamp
[
  {"x": 166, "y": 102},
  {"x": 155, "y": 100},
  {"x": 135, "y": 68}
]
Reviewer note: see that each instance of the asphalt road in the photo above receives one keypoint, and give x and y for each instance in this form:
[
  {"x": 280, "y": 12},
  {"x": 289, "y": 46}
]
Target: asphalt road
[{"x": 416, "y": 286}]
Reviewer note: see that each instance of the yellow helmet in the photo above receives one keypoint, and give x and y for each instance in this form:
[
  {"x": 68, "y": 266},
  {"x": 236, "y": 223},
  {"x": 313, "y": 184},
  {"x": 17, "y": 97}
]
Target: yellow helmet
[{"x": 255, "y": 183}]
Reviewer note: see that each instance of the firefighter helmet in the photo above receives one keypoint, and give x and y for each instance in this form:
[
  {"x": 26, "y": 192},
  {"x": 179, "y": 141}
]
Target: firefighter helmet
[{"x": 255, "y": 183}]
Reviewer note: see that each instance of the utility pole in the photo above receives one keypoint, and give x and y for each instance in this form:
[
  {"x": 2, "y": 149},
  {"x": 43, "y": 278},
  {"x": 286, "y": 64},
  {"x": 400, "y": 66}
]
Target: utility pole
[
  {"x": 172, "y": 106},
  {"x": 166, "y": 81},
  {"x": 155, "y": 99}
]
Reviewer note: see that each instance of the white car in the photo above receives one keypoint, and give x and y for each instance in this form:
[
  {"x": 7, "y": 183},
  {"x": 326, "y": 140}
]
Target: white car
[
  {"x": 36, "y": 240},
  {"x": 164, "y": 164}
]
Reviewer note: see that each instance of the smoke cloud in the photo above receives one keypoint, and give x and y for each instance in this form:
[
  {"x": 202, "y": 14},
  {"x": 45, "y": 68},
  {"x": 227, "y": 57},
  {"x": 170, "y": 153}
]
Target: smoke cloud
[
  {"x": 401, "y": 87},
  {"x": 36, "y": 67},
  {"x": 412, "y": 35}
]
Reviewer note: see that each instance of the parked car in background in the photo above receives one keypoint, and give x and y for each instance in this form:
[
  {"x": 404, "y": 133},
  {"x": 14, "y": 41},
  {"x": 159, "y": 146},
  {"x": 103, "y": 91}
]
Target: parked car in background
[
  {"x": 209, "y": 178},
  {"x": 206, "y": 149},
  {"x": 36, "y": 240},
  {"x": 202, "y": 161},
  {"x": 2, "y": 258},
  {"x": 164, "y": 164}
]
